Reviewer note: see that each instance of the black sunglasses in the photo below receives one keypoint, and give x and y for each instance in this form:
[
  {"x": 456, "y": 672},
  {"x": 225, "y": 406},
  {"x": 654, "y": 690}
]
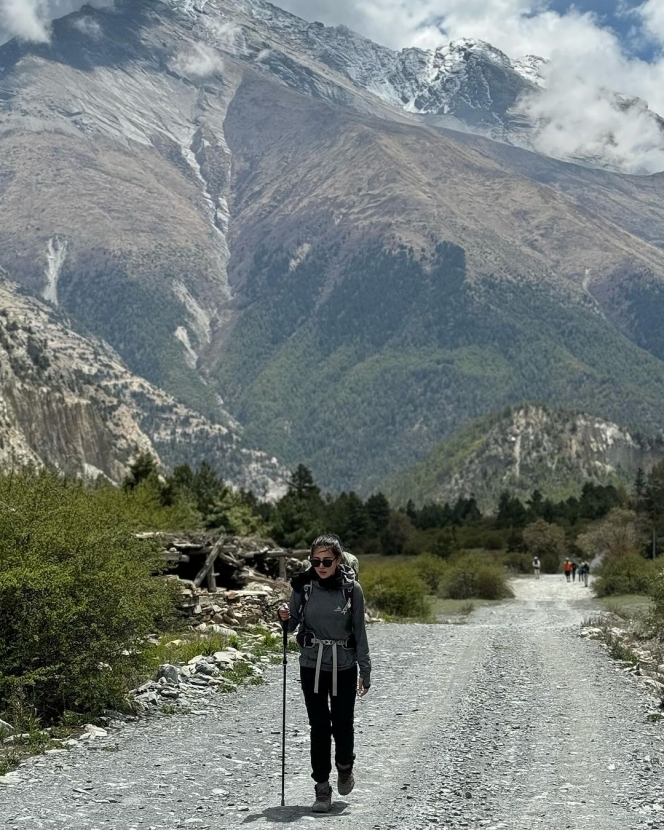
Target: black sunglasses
[{"x": 325, "y": 563}]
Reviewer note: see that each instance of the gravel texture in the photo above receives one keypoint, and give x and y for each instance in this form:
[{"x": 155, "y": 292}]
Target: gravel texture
[{"x": 509, "y": 721}]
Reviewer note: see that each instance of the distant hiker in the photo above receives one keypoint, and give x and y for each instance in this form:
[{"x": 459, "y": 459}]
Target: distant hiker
[
  {"x": 567, "y": 568},
  {"x": 584, "y": 571},
  {"x": 328, "y": 606},
  {"x": 574, "y": 569},
  {"x": 536, "y": 567}
]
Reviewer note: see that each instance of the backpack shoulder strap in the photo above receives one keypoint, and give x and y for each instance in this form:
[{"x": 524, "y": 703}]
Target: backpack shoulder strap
[{"x": 306, "y": 595}]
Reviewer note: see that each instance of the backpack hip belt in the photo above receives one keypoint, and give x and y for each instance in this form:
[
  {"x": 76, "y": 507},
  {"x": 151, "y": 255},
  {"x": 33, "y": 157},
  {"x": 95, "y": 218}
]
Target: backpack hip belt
[{"x": 310, "y": 640}]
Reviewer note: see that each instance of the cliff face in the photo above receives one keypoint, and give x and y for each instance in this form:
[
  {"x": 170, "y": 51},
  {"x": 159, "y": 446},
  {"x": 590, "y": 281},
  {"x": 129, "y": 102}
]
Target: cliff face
[
  {"x": 529, "y": 448},
  {"x": 69, "y": 402}
]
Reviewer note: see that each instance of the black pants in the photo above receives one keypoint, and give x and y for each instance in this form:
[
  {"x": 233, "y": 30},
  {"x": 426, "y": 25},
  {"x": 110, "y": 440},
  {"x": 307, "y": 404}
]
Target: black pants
[{"x": 330, "y": 716}]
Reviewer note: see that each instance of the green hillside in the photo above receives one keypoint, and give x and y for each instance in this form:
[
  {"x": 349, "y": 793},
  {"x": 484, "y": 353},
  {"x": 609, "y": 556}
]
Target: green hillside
[
  {"x": 360, "y": 368},
  {"x": 522, "y": 449}
]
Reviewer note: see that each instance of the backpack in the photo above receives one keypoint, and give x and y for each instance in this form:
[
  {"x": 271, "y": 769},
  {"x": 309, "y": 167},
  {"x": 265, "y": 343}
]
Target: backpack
[{"x": 352, "y": 562}]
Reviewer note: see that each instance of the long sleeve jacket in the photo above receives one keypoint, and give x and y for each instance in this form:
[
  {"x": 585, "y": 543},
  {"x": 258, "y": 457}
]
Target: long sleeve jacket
[{"x": 329, "y": 616}]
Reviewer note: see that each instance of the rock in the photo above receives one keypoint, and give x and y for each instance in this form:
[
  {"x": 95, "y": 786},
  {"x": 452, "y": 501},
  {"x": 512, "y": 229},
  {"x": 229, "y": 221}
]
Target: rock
[
  {"x": 92, "y": 731},
  {"x": 6, "y": 729},
  {"x": 203, "y": 667},
  {"x": 227, "y": 658},
  {"x": 169, "y": 693},
  {"x": 169, "y": 673}
]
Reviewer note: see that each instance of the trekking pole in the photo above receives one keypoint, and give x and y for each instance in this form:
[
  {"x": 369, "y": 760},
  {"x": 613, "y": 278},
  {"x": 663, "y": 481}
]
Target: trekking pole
[{"x": 284, "y": 626}]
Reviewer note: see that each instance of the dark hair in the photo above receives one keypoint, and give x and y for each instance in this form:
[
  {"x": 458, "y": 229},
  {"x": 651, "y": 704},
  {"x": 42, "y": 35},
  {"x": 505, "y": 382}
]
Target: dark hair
[{"x": 328, "y": 540}]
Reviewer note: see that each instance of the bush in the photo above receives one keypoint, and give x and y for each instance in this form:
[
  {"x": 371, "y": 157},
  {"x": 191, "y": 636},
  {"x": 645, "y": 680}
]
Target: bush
[
  {"x": 521, "y": 563},
  {"x": 550, "y": 563},
  {"x": 626, "y": 573},
  {"x": 547, "y": 541},
  {"x": 431, "y": 570},
  {"x": 474, "y": 577},
  {"x": 657, "y": 594},
  {"x": 77, "y": 596},
  {"x": 395, "y": 589}
]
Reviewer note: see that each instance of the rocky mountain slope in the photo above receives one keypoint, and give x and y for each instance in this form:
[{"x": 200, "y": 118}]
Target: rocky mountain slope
[
  {"x": 69, "y": 402},
  {"x": 249, "y": 210},
  {"x": 467, "y": 84},
  {"x": 559, "y": 450}
]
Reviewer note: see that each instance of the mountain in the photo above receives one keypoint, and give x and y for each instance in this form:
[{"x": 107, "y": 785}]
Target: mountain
[
  {"x": 558, "y": 450},
  {"x": 68, "y": 402},
  {"x": 236, "y": 201}
]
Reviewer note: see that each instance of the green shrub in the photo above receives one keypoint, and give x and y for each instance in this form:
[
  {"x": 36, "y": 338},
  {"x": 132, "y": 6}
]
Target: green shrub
[
  {"x": 78, "y": 595},
  {"x": 474, "y": 577},
  {"x": 431, "y": 570},
  {"x": 521, "y": 563},
  {"x": 547, "y": 541},
  {"x": 657, "y": 594},
  {"x": 395, "y": 589},
  {"x": 625, "y": 573},
  {"x": 550, "y": 563}
]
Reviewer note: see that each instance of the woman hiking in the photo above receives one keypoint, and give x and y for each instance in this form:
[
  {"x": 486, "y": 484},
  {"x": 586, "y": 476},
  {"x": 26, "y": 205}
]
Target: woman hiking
[{"x": 327, "y": 605}]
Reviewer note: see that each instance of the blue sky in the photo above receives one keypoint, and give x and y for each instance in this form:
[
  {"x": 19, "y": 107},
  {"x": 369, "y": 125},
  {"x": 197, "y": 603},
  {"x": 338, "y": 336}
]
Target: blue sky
[{"x": 621, "y": 18}]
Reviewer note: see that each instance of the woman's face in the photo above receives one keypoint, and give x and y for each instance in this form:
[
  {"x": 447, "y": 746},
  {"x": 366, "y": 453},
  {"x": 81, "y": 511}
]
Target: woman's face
[{"x": 324, "y": 561}]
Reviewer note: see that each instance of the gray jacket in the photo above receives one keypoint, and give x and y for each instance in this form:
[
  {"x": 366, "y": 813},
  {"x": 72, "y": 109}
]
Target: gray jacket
[{"x": 326, "y": 615}]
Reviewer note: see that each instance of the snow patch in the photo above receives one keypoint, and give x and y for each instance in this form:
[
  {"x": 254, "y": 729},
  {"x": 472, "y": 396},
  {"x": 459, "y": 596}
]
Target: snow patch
[
  {"x": 530, "y": 68},
  {"x": 56, "y": 253}
]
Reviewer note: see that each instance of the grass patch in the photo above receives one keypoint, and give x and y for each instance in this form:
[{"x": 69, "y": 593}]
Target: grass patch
[
  {"x": 627, "y": 606},
  {"x": 9, "y": 762},
  {"x": 618, "y": 649}
]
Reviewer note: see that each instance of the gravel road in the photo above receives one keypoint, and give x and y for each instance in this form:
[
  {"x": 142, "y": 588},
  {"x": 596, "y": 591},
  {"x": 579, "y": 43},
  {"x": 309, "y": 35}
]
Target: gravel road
[{"x": 509, "y": 721}]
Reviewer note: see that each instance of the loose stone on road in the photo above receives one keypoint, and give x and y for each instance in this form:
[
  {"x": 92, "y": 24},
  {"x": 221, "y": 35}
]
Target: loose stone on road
[{"x": 509, "y": 721}]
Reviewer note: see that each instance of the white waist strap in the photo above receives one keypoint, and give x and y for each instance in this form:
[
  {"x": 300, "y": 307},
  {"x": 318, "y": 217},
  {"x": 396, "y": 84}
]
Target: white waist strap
[{"x": 319, "y": 661}]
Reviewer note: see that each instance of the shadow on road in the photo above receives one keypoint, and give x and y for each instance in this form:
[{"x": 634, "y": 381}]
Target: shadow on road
[{"x": 288, "y": 815}]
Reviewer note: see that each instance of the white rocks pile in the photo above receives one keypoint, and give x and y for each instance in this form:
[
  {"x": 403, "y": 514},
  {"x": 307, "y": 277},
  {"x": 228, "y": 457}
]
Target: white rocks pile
[{"x": 187, "y": 683}]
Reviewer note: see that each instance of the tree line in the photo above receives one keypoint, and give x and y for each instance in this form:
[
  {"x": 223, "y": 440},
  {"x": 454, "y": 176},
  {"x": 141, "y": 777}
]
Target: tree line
[{"x": 373, "y": 525}]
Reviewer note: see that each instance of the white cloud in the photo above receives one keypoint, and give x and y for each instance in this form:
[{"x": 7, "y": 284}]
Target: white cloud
[
  {"x": 576, "y": 112},
  {"x": 89, "y": 27},
  {"x": 200, "y": 62},
  {"x": 26, "y": 19},
  {"x": 652, "y": 13},
  {"x": 31, "y": 19}
]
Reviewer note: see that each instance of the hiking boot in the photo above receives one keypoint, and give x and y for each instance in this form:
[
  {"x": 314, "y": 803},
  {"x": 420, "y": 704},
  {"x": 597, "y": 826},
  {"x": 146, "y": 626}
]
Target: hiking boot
[
  {"x": 345, "y": 780},
  {"x": 323, "y": 800}
]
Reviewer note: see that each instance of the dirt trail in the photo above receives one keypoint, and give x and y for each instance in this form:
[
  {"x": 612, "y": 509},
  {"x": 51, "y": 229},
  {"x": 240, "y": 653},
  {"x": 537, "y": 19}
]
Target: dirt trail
[{"x": 509, "y": 721}]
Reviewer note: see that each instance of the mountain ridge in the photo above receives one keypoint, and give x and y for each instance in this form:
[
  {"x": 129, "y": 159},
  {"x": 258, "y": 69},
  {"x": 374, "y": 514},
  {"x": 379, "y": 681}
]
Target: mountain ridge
[{"x": 254, "y": 233}]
